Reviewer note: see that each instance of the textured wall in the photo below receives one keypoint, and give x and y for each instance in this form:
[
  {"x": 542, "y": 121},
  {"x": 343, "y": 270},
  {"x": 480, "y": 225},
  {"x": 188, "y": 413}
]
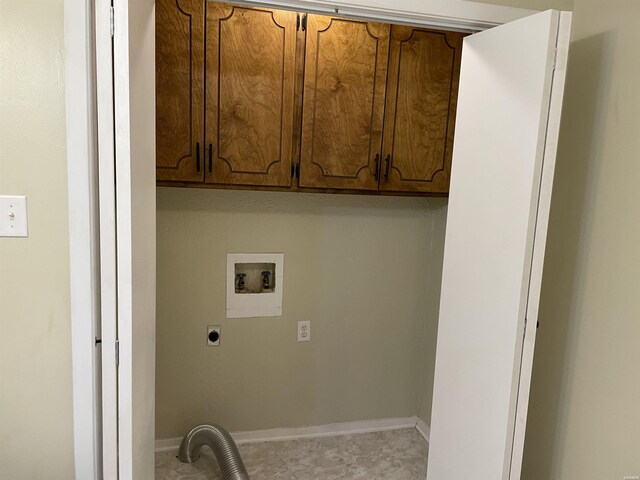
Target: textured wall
[
  {"x": 358, "y": 267},
  {"x": 36, "y": 425},
  {"x": 584, "y": 420}
]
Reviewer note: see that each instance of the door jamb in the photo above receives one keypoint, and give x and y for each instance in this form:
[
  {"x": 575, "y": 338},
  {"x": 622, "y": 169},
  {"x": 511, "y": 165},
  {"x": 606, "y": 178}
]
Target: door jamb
[{"x": 84, "y": 264}]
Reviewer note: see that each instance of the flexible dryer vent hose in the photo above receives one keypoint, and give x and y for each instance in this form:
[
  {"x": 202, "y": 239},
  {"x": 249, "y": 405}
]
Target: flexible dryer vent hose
[{"x": 223, "y": 446}]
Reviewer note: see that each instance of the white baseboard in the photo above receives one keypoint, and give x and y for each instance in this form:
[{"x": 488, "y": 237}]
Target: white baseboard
[
  {"x": 330, "y": 430},
  {"x": 423, "y": 429}
]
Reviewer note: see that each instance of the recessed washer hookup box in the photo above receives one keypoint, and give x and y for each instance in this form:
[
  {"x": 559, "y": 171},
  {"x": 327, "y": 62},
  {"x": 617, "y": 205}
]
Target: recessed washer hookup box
[{"x": 254, "y": 284}]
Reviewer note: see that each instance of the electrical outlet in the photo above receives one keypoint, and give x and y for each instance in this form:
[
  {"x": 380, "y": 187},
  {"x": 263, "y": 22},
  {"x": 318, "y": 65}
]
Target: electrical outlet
[
  {"x": 213, "y": 336},
  {"x": 304, "y": 331}
]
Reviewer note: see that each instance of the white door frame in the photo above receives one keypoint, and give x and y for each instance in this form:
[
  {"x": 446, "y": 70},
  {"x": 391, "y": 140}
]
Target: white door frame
[
  {"x": 90, "y": 125},
  {"x": 108, "y": 246},
  {"x": 82, "y": 162}
]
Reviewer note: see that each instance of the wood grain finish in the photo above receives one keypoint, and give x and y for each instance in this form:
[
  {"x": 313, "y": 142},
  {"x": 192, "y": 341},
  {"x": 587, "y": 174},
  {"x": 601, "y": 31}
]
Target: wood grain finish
[
  {"x": 343, "y": 107},
  {"x": 250, "y": 79},
  {"x": 235, "y": 109},
  {"x": 179, "y": 90},
  {"x": 424, "y": 69}
]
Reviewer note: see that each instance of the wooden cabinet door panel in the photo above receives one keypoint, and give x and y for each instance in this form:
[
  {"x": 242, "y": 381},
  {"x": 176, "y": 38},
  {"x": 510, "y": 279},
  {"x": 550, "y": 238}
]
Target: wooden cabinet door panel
[
  {"x": 250, "y": 79},
  {"x": 343, "y": 106},
  {"x": 424, "y": 68},
  {"x": 179, "y": 90}
]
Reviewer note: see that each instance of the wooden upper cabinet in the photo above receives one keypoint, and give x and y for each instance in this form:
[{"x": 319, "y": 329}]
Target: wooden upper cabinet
[
  {"x": 250, "y": 80},
  {"x": 179, "y": 90},
  {"x": 422, "y": 89},
  {"x": 373, "y": 111},
  {"x": 343, "y": 107}
]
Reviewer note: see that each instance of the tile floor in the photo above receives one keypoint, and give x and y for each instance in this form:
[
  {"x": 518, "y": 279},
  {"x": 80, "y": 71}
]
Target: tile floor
[{"x": 392, "y": 455}]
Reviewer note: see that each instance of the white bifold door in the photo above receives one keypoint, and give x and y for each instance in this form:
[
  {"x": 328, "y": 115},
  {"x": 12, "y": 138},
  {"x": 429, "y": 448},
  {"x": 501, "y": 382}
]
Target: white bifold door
[
  {"x": 511, "y": 86},
  {"x": 125, "y": 67}
]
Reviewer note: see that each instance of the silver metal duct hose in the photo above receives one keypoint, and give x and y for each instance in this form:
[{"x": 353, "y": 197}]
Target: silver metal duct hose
[{"x": 223, "y": 446}]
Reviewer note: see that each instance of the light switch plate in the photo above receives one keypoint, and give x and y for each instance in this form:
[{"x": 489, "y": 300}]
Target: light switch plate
[{"x": 13, "y": 216}]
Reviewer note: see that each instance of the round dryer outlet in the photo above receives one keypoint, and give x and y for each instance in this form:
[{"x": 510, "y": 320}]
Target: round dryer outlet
[{"x": 213, "y": 336}]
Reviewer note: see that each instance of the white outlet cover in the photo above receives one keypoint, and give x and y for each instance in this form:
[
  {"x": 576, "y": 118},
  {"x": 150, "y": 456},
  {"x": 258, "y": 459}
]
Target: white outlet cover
[
  {"x": 304, "y": 331},
  {"x": 13, "y": 216}
]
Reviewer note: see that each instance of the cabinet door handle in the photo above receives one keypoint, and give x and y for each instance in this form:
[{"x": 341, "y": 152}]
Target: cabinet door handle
[
  {"x": 387, "y": 162},
  {"x": 198, "y": 156},
  {"x": 210, "y": 158},
  {"x": 377, "y": 167}
]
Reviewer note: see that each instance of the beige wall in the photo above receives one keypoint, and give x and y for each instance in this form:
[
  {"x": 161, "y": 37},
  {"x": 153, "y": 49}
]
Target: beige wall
[
  {"x": 357, "y": 267},
  {"x": 36, "y": 437},
  {"x": 584, "y": 420},
  {"x": 429, "y": 329}
]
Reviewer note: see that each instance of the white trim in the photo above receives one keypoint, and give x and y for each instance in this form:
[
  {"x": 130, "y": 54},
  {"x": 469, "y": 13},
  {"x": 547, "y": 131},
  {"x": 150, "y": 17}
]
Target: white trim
[
  {"x": 318, "y": 431},
  {"x": 108, "y": 281},
  {"x": 135, "y": 195},
  {"x": 423, "y": 429},
  {"x": 83, "y": 237},
  {"x": 450, "y": 14},
  {"x": 124, "y": 251},
  {"x": 540, "y": 241}
]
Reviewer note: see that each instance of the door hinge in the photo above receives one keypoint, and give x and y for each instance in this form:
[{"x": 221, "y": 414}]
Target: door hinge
[
  {"x": 117, "y": 353},
  {"x": 555, "y": 59},
  {"x": 111, "y": 21},
  {"x": 297, "y": 22},
  {"x": 304, "y": 22}
]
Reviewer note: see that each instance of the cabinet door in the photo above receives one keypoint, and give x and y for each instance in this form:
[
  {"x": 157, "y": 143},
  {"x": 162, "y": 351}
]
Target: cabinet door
[
  {"x": 250, "y": 79},
  {"x": 422, "y": 89},
  {"x": 179, "y": 90},
  {"x": 343, "y": 107}
]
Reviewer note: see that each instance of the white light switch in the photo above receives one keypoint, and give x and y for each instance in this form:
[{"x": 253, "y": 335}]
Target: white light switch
[{"x": 13, "y": 216}]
